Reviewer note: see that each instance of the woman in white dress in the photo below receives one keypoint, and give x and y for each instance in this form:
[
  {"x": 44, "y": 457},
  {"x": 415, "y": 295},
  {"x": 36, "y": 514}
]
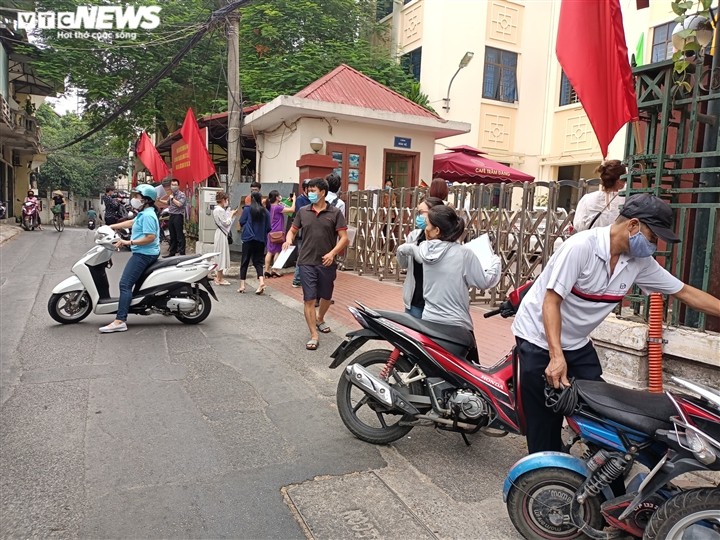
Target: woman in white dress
[
  {"x": 601, "y": 208},
  {"x": 223, "y": 221}
]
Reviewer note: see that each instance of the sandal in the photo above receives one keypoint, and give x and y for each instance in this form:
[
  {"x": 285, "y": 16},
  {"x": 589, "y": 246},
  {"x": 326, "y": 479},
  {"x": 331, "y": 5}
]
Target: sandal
[
  {"x": 268, "y": 275},
  {"x": 260, "y": 290},
  {"x": 241, "y": 290},
  {"x": 312, "y": 345},
  {"x": 323, "y": 327},
  {"x": 276, "y": 274}
]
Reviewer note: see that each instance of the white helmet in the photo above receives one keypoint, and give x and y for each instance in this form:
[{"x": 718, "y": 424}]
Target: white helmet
[{"x": 104, "y": 235}]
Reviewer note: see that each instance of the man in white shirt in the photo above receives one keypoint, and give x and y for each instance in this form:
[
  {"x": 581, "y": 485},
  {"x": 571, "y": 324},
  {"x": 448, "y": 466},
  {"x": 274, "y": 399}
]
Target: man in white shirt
[
  {"x": 332, "y": 198},
  {"x": 590, "y": 273}
]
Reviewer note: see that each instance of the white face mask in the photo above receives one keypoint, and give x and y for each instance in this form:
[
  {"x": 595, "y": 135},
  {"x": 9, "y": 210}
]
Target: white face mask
[{"x": 137, "y": 204}]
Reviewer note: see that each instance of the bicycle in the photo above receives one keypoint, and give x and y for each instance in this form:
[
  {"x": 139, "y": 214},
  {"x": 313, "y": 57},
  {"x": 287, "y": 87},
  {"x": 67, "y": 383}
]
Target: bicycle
[{"x": 58, "y": 219}]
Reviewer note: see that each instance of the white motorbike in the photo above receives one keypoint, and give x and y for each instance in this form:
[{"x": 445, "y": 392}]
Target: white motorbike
[{"x": 170, "y": 286}]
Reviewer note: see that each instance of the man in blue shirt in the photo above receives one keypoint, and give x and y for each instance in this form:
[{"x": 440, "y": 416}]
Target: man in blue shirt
[{"x": 301, "y": 201}]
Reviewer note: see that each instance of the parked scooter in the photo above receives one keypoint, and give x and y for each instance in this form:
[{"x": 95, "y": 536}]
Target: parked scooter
[
  {"x": 91, "y": 224},
  {"x": 425, "y": 380},
  {"x": 3, "y": 210},
  {"x": 164, "y": 219},
  {"x": 30, "y": 215},
  {"x": 169, "y": 287},
  {"x": 556, "y": 495}
]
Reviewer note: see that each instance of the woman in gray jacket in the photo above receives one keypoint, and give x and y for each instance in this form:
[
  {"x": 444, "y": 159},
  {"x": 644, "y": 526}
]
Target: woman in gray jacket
[
  {"x": 449, "y": 269},
  {"x": 413, "y": 286}
]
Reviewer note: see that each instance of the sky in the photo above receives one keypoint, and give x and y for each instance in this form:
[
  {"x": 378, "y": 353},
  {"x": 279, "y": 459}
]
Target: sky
[{"x": 67, "y": 103}]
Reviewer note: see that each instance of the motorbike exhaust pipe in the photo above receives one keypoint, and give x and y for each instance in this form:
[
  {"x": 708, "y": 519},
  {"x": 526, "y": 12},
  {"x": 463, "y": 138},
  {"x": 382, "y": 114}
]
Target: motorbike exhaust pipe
[
  {"x": 447, "y": 422},
  {"x": 379, "y": 389}
]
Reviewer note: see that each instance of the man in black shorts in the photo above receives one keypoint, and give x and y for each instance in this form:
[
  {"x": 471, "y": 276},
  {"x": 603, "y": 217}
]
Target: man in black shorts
[{"x": 324, "y": 237}]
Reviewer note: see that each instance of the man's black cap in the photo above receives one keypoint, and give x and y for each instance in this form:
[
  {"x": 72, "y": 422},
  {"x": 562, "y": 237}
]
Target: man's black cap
[{"x": 653, "y": 212}]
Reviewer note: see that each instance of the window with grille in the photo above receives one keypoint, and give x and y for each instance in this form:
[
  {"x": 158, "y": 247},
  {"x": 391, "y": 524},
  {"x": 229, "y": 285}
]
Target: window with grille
[
  {"x": 500, "y": 76},
  {"x": 567, "y": 92},
  {"x": 662, "y": 48},
  {"x": 383, "y": 8}
]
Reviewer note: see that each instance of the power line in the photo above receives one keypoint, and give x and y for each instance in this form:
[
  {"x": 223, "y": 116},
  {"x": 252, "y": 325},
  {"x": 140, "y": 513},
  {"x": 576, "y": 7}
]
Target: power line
[{"x": 216, "y": 16}]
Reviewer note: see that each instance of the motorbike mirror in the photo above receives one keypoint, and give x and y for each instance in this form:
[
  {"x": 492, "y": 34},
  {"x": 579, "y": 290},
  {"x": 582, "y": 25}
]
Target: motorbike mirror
[{"x": 105, "y": 235}]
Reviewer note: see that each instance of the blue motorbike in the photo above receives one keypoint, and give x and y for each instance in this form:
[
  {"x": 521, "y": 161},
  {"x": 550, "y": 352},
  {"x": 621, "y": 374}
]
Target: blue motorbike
[{"x": 563, "y": 495}]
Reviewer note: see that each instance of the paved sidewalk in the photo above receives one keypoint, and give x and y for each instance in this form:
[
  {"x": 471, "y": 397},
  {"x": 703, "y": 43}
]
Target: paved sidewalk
[
  {"x": 493, "y": 335},
  {"x": 7, "y": 232}
]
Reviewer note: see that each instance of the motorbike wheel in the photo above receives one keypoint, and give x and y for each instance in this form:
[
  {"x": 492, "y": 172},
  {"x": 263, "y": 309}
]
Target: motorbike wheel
[
  {"x": 26, "y": 224},
  {"x": 699, "y": 507},
  {"x": 539, "y": 504},
  {"x": 201, "y": 313},
  {"x": 61, "y": 309},
  {"x": 366, "y": 418}
]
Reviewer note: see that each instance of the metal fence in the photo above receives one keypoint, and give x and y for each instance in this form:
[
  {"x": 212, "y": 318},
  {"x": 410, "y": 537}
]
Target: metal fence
[
  {"x": 674, "y": 154},
  {"x": 524, "y": 233}
]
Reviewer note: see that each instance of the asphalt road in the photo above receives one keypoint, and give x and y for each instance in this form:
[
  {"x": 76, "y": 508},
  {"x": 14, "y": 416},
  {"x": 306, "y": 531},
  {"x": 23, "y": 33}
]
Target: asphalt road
[{"x": 224, "y": 430}]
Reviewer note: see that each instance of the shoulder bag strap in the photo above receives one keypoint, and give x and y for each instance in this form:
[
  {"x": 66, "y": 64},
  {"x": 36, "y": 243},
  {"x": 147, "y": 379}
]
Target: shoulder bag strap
[{"x": 601, "y": 211}]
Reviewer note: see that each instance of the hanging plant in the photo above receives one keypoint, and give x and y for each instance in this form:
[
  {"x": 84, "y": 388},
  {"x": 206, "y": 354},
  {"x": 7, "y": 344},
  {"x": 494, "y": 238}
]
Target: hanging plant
[{"x": 695, "y": 33}]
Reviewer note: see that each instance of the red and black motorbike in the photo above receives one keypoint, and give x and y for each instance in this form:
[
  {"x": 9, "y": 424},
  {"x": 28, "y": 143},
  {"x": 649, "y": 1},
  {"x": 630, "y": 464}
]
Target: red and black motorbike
[
  {"x": 425, "y": 380},
  {"x": 30, "y": 215}
]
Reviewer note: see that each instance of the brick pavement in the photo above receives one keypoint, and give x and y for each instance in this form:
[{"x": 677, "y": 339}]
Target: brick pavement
[{"x": 493, "y": 334}]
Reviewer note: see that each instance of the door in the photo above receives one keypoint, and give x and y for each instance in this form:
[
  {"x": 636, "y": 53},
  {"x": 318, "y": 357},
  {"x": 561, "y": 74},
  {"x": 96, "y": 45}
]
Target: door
[
  {"x": 350, "y": 160},
  {"x": 403, "y": 168}
]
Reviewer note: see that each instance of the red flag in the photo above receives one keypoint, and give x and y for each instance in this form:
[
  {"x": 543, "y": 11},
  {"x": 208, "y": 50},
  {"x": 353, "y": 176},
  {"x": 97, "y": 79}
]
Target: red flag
[
  {"x": 151, "y": 158},
  {"x": 201, "y": 166},
  {"x": 596, "y": 64}
]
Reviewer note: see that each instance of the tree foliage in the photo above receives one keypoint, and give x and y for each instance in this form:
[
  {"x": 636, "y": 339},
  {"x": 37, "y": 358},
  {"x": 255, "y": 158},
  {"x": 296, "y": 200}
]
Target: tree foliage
[
  {"x": 84, "y": 169},
  {"x": 284, "y": 46}
]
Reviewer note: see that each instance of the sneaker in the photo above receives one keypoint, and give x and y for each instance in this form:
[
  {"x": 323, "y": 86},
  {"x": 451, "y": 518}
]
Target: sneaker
[
  {"x": 112, "y": 327},
  {"x": 296, "y": 284}
]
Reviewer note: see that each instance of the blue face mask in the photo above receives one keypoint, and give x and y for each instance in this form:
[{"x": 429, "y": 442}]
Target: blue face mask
[
  {"x": 420, "y": 222},
  {"x": 640, "y": 246},
  {"x": 313, "y": 197}
]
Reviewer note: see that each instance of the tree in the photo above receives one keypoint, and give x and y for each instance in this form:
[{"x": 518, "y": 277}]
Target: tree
[
  {"x": 284, "y": 46},
  {"x": 84, "y": 169}
]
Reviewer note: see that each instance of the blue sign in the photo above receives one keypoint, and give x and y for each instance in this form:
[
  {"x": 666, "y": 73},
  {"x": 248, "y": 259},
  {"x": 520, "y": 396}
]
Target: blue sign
[{"x": 403, "y": 142}]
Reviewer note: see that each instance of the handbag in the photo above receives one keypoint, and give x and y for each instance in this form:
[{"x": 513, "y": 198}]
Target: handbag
[
  {"x": 277, "y": 237},
  {"x": 229, "y": 233}
]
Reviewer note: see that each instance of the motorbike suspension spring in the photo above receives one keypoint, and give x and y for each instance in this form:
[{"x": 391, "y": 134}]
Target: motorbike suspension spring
[
  {"x": 603, "y": 477},
  {"x": 390, "y": 364}
]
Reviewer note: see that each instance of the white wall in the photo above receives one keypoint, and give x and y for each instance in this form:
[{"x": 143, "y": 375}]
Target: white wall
[{"x": 277, "y": 163}]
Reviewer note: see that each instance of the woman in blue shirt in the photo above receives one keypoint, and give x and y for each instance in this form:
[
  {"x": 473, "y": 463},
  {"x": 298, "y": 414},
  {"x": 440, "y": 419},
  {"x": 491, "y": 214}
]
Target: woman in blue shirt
[
  {"x": 255, "y": 222},
  {"x": 145, "y": 246}
]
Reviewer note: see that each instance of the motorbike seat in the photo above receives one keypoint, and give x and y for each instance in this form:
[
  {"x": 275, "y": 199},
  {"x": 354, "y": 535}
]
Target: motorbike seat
[
  {"x": 643, "y": 411},
  {"x": 161, "y": 263},
  {"x": 455, "y": 339}
]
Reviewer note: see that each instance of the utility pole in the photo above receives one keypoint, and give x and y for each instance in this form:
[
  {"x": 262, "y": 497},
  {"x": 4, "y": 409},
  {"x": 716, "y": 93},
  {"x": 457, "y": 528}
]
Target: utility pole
[{"x": 234, "y": 142}]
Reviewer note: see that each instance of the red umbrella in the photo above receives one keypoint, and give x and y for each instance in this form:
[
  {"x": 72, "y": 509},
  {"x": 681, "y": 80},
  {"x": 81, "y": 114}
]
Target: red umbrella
[{"x": 466, "y": 164}]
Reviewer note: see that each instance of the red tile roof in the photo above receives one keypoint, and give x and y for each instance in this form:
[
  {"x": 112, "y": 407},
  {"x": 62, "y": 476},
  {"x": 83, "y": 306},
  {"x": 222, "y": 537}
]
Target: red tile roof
[{"x": 350, "y": 87}]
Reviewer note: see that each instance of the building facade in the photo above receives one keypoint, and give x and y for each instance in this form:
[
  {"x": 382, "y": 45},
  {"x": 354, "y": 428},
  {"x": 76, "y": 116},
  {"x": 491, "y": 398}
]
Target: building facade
[
  {"x": 522, "y": 109},
  {"x": 21, "y": 92}
]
